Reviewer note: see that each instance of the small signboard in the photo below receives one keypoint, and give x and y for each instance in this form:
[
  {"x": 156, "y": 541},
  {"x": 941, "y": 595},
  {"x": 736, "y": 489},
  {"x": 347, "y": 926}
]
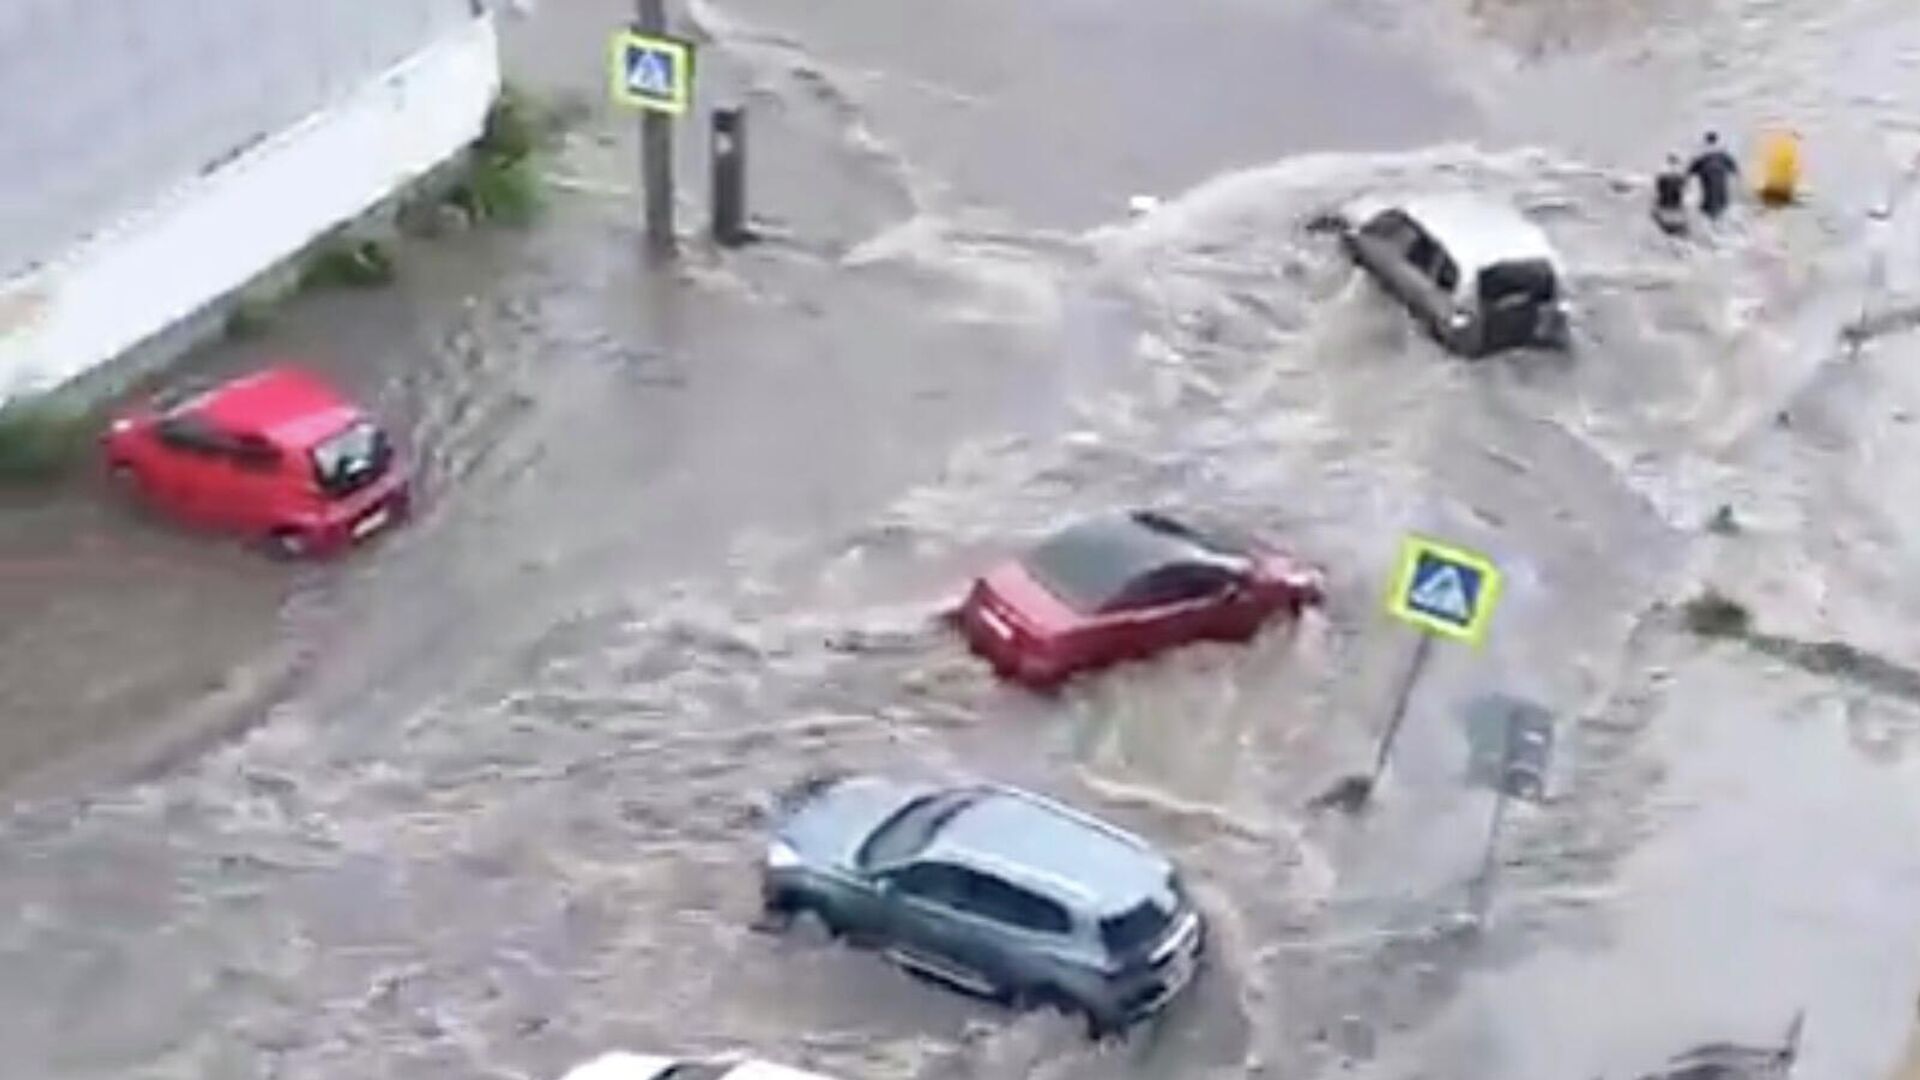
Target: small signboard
[
  {"x": 1444, "y": 590},
  {"x": 653, "y": 72},
  {"x": 1510, "y": 746}
]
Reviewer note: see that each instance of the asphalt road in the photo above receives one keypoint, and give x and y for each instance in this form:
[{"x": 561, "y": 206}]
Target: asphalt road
[{"x": 684, "y": 538}]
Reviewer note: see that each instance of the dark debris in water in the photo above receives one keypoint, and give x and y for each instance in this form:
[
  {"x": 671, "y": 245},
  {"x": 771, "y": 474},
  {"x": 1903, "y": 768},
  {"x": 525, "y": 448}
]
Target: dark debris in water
[
  {"x": 1844, "y": 661},
  {"x": 1714, "y": 615},
  {"x": 1732, "y": 1061}
]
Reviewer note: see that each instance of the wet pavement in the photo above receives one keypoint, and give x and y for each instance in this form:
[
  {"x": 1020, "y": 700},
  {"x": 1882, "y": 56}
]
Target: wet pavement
[{"x": 685, "y": 538}]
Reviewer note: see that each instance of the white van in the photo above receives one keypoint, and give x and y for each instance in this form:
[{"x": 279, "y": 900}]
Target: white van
[{"x": 1477, "y": 274}]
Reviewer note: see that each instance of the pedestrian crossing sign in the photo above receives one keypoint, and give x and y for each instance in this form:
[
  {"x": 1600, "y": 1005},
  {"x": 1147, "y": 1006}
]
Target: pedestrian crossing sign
[
  {"x": 651, "y": 71},
  {"x": 1444, "y": 590}
]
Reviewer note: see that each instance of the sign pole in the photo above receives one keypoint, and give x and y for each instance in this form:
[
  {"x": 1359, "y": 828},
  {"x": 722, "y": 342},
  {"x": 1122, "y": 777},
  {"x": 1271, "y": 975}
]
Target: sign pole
[
  {"x": 656, "y": 151},
  {"x": 1420, "y": 653},
  {"x": 1441, "y": 591}
]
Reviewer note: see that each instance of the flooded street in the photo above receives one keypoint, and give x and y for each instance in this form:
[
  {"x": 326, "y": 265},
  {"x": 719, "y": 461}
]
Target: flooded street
[{"x": 686, "y": 538}]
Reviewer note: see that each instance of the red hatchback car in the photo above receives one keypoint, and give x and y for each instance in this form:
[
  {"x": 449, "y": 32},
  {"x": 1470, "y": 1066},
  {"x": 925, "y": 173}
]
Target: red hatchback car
[
  {"x": 1127, "y": 586},
  {"x": 278, "y": 456}
]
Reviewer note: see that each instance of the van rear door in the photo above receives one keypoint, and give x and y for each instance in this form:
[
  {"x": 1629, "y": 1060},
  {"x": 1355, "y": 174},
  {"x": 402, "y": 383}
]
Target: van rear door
[{"x": 1515, "y": 299}]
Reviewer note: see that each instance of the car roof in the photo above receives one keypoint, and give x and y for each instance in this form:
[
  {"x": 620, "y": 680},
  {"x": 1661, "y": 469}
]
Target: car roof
[
  {"x": 1477, "y": 231},
  {"x": 1105, "y": 549},
  {"x": 1058, "y": 852},
  {"x": 285, "y": 404}
]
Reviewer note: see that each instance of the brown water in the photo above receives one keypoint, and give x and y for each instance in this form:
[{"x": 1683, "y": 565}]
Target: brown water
[{"x": 684, "y": 541}]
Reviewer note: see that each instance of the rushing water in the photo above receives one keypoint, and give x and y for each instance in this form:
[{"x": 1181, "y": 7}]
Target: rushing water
[{"x": 687, "y": 542}]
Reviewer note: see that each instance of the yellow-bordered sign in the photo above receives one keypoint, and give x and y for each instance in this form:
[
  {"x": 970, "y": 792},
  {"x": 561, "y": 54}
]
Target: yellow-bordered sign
[
  {"x": 1444, "y": 590},
  {"x": 650, "y": 71}
]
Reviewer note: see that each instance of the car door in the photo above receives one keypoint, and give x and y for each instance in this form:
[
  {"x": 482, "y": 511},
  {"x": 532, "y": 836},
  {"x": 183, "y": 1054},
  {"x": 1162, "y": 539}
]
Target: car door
[
  {"x": 255, "y": 478},
  {"x": 1172, "y": 605},
  {"x": 1432, "y": 277},
  {"x": 1014, "y": 933},
  {"x": 926, "y": 932},
  {"x": 185, "y": 478},
  {"x": 1514, "y": 297}
]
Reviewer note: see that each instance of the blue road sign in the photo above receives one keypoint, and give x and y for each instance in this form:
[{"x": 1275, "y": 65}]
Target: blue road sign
[
  {"x": 1444, "y": 590},
  {"x": 651, "y": 71}
]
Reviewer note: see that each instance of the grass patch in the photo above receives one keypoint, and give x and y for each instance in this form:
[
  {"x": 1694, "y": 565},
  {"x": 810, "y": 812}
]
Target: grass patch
[
  {"x": 507, "y": 191},
  {"x": 41, "y": 442},
  {"x": 502, "y": 182},
  {"x": 344, "y": 263},
  {"x": 250, "y": 317},
  {"x": 513, "y": 128},
  {"x": 1713, "y": 615}
]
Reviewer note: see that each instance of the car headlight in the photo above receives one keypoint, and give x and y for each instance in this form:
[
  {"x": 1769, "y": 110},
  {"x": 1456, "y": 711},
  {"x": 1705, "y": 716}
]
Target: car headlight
[{"x": 781, "y": 856}]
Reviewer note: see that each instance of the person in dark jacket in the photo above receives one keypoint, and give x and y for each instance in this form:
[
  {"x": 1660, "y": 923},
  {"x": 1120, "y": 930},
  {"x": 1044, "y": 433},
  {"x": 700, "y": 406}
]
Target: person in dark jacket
[
  {"x": 1715, "y": 169},
  {"x": 1670, "y": 198}
]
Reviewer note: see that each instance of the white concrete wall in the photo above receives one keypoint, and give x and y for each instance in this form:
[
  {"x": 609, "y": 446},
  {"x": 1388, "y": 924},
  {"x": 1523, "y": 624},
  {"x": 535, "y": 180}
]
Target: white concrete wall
[
  {"x": 105, "y": 102},
  {"x": 213, "y": 233}
]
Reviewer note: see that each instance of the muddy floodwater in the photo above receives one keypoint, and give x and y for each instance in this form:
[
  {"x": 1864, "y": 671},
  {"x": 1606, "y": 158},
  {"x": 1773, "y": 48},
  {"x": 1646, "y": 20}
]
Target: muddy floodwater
[{"x": 686, "y": 539}]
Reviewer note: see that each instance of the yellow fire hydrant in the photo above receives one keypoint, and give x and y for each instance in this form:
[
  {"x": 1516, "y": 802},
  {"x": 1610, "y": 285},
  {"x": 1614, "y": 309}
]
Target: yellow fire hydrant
[{"x": 1779, "y": 168}]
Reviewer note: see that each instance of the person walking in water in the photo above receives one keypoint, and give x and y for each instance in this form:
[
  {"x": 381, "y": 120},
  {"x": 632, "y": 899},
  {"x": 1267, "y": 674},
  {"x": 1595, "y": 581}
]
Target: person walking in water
[
  {"x": 1670, "y": 198},
  {"x": 1715, "y": 169}
]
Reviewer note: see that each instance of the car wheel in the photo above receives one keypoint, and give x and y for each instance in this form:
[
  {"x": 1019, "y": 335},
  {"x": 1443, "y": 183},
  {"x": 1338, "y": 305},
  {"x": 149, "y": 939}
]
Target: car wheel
[
  {"x": 1045, "y": 999},
  {"x": 127, "y": 481},
  {"x": 813, "y": 922},
  {"x": 1052, "y": 999},
  {"x": 288, "y": 544}
]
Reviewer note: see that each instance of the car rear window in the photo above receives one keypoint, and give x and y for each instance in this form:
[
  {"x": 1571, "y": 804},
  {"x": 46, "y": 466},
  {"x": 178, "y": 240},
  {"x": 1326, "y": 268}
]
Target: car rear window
[
  {"x": 1529, "y": 280},
  {"x": 352, "y": 459},
  {"x": 1136, "y": 928}
]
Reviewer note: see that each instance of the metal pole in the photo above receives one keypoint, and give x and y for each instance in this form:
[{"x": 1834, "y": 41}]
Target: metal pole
[
  {"x": 656, "y": 150},
  {"x": 1400, "y": 703},
  {"x": 729, "y": 170},
  {"x": 1482, "y": 887}
]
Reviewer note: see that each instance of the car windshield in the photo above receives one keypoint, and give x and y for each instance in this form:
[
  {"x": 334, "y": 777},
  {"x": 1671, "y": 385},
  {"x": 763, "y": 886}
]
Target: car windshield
[
  {"x": 1089, "y": 565},
  {"x": 352, "y": 459},
  {"x": 913, "y": 827},
  {"x": 1136, "y": 928}
]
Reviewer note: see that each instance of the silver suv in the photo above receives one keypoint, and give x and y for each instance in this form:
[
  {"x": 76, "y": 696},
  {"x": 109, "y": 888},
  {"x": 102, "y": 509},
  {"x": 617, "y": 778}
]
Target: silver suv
[
  {"x": 993, "y": 891},
  {"x": 1477, "y": 274}
]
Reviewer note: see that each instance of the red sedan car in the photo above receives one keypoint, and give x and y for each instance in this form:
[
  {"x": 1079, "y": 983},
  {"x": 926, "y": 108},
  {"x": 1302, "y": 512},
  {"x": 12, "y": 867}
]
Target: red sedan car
[
  {"x": 278, "y": 456},
  {"x": 1127, "y": 586}
]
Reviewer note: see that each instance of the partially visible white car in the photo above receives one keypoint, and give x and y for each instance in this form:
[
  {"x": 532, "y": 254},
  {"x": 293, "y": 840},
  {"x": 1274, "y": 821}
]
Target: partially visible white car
[{"x": 619, "y": 1065}]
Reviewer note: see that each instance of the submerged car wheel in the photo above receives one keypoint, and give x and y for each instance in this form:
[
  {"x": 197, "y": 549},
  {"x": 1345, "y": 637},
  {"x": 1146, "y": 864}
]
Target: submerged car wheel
[
  {"x": 127, "y": 481},
  {"x": 288, "y": 544},
  {"x": 1052, "y": 999}
]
